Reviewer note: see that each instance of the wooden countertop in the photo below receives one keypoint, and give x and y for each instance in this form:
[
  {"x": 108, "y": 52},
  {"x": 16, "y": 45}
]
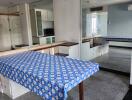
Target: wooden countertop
[
  {"x": 37, "y": 47},
  {"x": 32, "y": 48},
  {"x": 4, "y": 53},
  {"x": 46, "y": 46}
]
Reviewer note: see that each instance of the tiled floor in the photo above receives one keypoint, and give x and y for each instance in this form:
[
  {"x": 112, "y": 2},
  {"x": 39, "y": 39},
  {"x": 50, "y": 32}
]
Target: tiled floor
[
  {"x": 117, "y": 59},
  {"x": 103, "y": 85}
]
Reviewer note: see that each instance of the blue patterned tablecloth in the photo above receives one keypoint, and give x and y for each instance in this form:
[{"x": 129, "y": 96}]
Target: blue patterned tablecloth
[{"x": 49, "y": 76}]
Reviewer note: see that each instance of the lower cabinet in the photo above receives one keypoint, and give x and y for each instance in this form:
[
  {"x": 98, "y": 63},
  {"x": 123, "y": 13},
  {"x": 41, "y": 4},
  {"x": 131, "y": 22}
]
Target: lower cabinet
[
  {"x": 72, "y": 51},
  {"x": 44, "y": 40},
  {"x": 10, "y": 88},
  {"x": 88, "y": 53}
]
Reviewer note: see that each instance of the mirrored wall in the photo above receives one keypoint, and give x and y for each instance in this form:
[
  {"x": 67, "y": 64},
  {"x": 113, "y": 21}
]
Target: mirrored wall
[
  {"x": 106, "y": 33},
  {"x": 42, "y": 22},
  {"x": 94, "y": 29}
]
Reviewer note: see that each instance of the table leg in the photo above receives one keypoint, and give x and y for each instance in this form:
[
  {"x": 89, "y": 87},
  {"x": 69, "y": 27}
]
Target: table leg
[
  {"x": 81, "y": 92},
  {"x": 1, "y": 85}
]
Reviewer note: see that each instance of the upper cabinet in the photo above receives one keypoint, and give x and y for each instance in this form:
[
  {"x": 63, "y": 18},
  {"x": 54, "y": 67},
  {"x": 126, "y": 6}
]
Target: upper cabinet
[{"x": 47, "y": 15}]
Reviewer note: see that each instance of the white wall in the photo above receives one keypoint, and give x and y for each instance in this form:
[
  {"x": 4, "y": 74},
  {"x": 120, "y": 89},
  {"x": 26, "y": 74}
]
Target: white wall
[
  {"x": 67, "y": 20},
  {"x": 3, "y": 9},
  {"x": 131, "y": 71},
  {"x": 25, "y": 24},
  {"x": 13, "y": 9},
  {"x": 120, "y": 21}
]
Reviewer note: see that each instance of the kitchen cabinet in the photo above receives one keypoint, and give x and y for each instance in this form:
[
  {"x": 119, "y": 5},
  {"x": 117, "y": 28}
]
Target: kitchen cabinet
[
  {"x": 44, "y": 40},
  {"x": 88, "y": 53},
  {"x": 47, "y": 15},
  {"x": 10, "y": 32},
  {"x": 12, "y": 89},
  {"x": 69, "y": 49}
]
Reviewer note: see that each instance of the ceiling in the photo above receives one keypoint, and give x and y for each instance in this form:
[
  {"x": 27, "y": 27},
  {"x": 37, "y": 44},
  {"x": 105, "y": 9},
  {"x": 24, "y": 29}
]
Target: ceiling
[
  {"x": 15, "y": 2},
  {"x": 43, "y": 4},
  {"x": 85, "y": 3},
  {"x": 95, "y": 3}
]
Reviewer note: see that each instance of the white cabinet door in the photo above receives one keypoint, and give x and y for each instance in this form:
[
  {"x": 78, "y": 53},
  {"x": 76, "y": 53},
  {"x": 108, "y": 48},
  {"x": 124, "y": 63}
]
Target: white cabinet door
[
  {"x": 5, "y": 86},
  {"x": 85, "y": 51},
  {"x": 47, "y": 15},
  {"x": 42, "y": 40},
  {"x": 12, "y": 89},
  {"x": 5, "y": 40},
  {"x": 74, "y": 52},
  {"x": 16, "y": 34},
  {"x": 44, "y": 15},
  {"x": 50, "y": 15}
]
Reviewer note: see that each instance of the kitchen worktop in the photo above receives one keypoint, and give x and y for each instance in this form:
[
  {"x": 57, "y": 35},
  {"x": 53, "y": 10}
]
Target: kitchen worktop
[
  {"x": 37, "y": 47},
  {"x": 30, "y": 48},
  {"x": 68, "y": 44},
  {"x": 118, "y": 39},
  {"x": 95, "y": 41},
  {"x": 86, "y": 40}
]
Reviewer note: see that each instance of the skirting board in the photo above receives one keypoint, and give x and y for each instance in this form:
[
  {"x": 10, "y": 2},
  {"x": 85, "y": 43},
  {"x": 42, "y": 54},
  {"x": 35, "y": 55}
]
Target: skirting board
[{"x": 115, "y": 71}]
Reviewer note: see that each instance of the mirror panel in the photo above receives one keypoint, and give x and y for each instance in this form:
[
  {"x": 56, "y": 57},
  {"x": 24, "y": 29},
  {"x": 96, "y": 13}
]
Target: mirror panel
[
  {"x": 94, "y": 30},
  {"x": 42, "y": 22}
]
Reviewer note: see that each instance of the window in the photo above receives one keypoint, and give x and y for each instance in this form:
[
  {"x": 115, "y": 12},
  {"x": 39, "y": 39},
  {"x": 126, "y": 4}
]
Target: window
[{"x": 94, "y": 23}]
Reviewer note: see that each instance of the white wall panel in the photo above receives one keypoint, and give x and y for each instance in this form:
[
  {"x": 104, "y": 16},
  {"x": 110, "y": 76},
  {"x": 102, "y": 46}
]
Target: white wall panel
[
  {"x": 67, "y": 20},
  {"x": 16, "y": 34},
  {"x": 5, "y": 40},
  {"x": 25, "y": 24}
]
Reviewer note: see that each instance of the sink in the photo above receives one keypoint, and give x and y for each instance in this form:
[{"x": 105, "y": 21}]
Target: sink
[{"x": 97, "y": 41}]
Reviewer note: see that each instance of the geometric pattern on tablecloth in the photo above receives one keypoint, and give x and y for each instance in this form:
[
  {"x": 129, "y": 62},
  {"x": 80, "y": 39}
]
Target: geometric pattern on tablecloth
[{"x": 49, "y": 76}]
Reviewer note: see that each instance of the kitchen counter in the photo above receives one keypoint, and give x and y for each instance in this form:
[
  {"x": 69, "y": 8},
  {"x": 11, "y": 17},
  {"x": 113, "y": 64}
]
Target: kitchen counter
[
  {"x": 118, "y": 39},
  {"x": 86, "y": 40},
  {"x": 68, "y": 44},
  {"x": 95, "y": 41},
  {"x": 38, "y": 47},
  {"x": 30, "y": 48}
]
